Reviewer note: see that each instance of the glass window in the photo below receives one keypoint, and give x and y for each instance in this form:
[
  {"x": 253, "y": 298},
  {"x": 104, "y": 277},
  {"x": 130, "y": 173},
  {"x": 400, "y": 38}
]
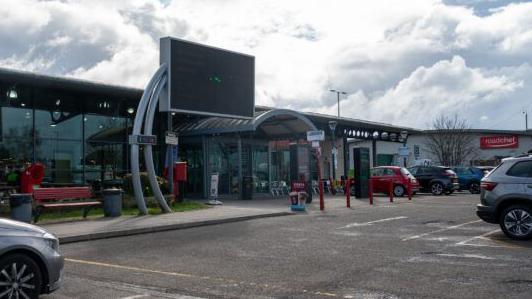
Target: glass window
[
  {"x": 521, "y": 169},
  {"x": 62, "y": 161},
  {"x": 388, "y": 172},
  {"x": 260, "y": 168},
  {"x": 377, "y": 172}
]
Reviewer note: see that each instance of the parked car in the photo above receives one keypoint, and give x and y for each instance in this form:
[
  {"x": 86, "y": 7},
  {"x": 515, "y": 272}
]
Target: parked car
[
  {"x": 485, "y": 169},
  {"x": 400, "y": 176},
  {"x": 469, "y": 178},
  {"x": 30, "y": 262},
  {"x": 506, "y": 197},
  {"x": 435, "y": 179}
]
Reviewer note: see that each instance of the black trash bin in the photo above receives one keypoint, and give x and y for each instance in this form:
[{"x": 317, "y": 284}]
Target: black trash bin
[
  {"x": 112, "y": 202},
  {"x": 20, "y": 204},
  {"x": 247, "y": 187}
]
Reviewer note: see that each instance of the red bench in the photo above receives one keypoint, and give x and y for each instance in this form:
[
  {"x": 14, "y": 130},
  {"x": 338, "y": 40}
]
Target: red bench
[{"x": 64, "y": 197}]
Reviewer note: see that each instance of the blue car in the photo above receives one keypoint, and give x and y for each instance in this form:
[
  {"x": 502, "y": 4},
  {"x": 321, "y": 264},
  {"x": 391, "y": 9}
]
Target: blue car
[{"x": 469, "y": 178}]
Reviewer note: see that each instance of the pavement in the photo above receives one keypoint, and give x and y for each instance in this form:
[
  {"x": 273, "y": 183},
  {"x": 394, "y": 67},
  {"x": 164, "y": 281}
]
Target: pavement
[
  {"x": 430, "y": 247},
  {"x": 103, "y": 228},
  {"x": 230, "y": 211}
]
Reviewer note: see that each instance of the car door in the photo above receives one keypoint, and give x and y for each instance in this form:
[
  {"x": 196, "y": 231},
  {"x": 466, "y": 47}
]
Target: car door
[
  {"x": 424, "y": 176},
  {"x": 376, "y": 176}
]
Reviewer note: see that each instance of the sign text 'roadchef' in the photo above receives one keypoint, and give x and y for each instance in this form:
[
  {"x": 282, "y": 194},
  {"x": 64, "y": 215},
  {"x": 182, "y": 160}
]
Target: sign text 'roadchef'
[{"x": 488, "y": 142}]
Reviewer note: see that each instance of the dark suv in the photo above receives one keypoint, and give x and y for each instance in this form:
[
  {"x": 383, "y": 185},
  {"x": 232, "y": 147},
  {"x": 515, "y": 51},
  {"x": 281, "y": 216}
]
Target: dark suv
[
  {"x": 506, "y": 197},
  {"x": 435, "y": 179}
]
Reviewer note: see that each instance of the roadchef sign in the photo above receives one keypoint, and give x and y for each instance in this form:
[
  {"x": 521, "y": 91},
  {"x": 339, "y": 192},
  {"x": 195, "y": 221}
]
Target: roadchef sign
[{"x": 489, "y": 142}]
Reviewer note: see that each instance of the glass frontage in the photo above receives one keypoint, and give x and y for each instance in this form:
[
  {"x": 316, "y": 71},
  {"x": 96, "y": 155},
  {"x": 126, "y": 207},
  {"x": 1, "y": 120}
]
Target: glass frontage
[
  {"x": 223, "y": 159},
  {"x": 191, "y": 151},
  {"x": 78, "y": 137}
]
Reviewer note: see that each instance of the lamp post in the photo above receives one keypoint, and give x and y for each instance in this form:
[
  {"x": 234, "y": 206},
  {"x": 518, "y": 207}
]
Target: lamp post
[
  {"x": 338, "y": 98},
  {"x": 332, "y": 126}
]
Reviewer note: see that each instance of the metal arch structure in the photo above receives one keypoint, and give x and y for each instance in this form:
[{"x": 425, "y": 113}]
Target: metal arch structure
[
  {"x": 147, "y": 107},
  {"x": 278, "y": 112}
]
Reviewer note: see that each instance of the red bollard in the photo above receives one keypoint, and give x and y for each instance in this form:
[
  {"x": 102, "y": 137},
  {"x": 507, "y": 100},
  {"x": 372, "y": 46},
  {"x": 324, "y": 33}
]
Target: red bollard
[
  {"x": 370, "y": 191},
  {"x": 409, "y": 190},
  {"x": 391, "y": 191},
  {"x": 322, "y": 204},
  {"x": 348, "y": 193}
]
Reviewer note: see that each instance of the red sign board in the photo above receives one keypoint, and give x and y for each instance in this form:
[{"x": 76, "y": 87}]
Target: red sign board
[{"x": 490, "y": 142}]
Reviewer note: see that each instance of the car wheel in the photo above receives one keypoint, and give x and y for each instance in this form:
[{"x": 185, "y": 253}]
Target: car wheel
[
  {"x": 516, "y": 222},
  {"x": 474, "y": 188},
  {"x": 398, "y": 191},
  {"x": 20, "y": 277},
  {"x": 436, "y": 189}
]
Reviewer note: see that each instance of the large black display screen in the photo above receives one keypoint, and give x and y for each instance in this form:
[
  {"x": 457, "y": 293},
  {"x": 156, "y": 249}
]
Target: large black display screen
[{"x": 208, "y": 81}]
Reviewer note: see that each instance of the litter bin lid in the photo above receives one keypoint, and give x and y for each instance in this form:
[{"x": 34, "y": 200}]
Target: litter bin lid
[{"x": 112, "y": 191}]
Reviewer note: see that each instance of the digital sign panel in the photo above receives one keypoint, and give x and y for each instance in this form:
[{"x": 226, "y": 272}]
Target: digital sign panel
[{"x": 208, "y": 81}]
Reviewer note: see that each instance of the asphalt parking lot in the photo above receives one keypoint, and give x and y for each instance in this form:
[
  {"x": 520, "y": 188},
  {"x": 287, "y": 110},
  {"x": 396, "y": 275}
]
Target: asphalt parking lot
[{"x": 431, "y": 247}]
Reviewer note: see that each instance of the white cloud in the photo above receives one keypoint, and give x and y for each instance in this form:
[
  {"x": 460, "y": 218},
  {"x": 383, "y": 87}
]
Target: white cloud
[{"x": 401, "y": 63}]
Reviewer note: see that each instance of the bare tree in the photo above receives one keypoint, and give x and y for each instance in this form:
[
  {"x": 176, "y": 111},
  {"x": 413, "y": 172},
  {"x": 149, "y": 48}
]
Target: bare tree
[{"x": 450, "y": 141}]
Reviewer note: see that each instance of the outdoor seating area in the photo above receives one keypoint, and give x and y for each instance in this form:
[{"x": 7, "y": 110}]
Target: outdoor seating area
[{"x": 63, "y": 198}]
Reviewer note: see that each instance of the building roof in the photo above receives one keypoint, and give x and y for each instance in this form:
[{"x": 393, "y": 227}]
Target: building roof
[{"x": 484, "y": 131}]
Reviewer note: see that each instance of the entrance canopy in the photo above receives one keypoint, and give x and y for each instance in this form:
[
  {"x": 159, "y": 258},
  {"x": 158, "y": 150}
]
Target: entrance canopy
[{"x": 273, "y": 123}]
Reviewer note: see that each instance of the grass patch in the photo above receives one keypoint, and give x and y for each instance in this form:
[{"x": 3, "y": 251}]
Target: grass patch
[{"x": 77, "y": 214}]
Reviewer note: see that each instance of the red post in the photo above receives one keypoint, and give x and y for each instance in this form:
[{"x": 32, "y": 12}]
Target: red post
[
  {"x": 348, "y": 192},
  {"x": 391, "y": 190},
  {"x": 409, "y": 190},
  {"x": 370, "y": 191},
  {"x": 322, "y": 203},
  {"x": 320, "y": 182}
]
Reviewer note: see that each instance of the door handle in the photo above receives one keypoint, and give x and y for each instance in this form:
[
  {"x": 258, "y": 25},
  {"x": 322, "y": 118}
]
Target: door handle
[{"x": 529, "y": 186}]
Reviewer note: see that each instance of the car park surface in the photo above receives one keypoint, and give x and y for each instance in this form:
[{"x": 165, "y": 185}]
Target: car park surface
[{"x": 430, "y": 247}]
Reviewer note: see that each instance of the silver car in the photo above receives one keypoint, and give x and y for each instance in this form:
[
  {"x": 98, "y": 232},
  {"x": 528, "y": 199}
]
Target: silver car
[
  {"x": 30, "y": 263},
  {"x": 506, "y": 197}
]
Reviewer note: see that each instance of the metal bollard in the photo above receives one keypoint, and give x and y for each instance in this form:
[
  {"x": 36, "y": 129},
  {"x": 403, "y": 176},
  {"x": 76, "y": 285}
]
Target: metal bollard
[
  {"x": 370, "y": 191},
  {"x": 348, "y": 193},
  {"x": 391, "y": 191},
  {"x": 322, "y": 204}
]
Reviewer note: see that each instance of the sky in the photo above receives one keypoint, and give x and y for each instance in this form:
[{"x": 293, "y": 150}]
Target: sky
[{"x": 400, "y": 62}]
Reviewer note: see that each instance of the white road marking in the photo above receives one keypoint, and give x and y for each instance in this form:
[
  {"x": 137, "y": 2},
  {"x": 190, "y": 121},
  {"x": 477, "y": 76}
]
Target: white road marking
[
  {"x": 465, "y": 255},
  {"x": 372, "y": 222},
  {"x": 439, "y": 230},
  {"x": 136, "y": 296},
  {"x": 483, "y": 237}
]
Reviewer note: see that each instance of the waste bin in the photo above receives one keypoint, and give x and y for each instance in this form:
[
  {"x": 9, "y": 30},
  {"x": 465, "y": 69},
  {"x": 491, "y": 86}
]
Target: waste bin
[
  {"x": 112, "y": 202},
  {"x": 20, "y": 204},
  {"x": 247, "y": 187}
]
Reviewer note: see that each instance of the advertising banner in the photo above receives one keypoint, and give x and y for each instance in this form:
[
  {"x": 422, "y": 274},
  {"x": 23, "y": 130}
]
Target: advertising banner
[{"x": 493, "y": 142}]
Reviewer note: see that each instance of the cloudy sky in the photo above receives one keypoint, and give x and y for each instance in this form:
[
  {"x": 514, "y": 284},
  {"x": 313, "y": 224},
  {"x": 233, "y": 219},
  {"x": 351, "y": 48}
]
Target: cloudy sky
[{"x": 401, "y": 62}]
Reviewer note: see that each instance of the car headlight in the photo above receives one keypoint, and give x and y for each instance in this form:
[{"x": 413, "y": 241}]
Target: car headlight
[{"x": 51, "y": 241}]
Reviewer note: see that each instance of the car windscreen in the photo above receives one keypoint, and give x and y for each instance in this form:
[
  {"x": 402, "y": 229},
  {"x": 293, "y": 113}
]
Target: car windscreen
[{"x": 406, "y": 172}]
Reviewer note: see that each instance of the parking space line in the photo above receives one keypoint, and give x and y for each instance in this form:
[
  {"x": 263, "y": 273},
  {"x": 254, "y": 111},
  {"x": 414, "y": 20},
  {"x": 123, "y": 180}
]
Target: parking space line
[
  {"x": 372, "y": 222},
  {"x": 440, "y": 230},
  {"x": 483, "y": 236}
]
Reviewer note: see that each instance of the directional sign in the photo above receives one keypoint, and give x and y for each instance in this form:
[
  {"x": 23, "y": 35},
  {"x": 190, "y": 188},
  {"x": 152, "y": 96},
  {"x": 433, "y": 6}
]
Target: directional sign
[
  {"x": 171, "y": 138},
  {"x": 316, "y": 135},
  {"x": 403, "y": 151},
  {"x": 143, "y": 139}
]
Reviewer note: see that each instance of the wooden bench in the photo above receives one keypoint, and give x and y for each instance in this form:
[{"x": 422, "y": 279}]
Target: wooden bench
[{"x": 63, "y": 197}]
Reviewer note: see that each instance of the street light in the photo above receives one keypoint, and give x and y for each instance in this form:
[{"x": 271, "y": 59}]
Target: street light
[
  {"x": 332, "y": 126},
  {"x": 338, "y": 98}
]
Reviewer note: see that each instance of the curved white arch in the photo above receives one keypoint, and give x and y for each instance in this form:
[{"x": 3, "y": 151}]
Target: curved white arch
[{"x": 257, "y": 121}]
